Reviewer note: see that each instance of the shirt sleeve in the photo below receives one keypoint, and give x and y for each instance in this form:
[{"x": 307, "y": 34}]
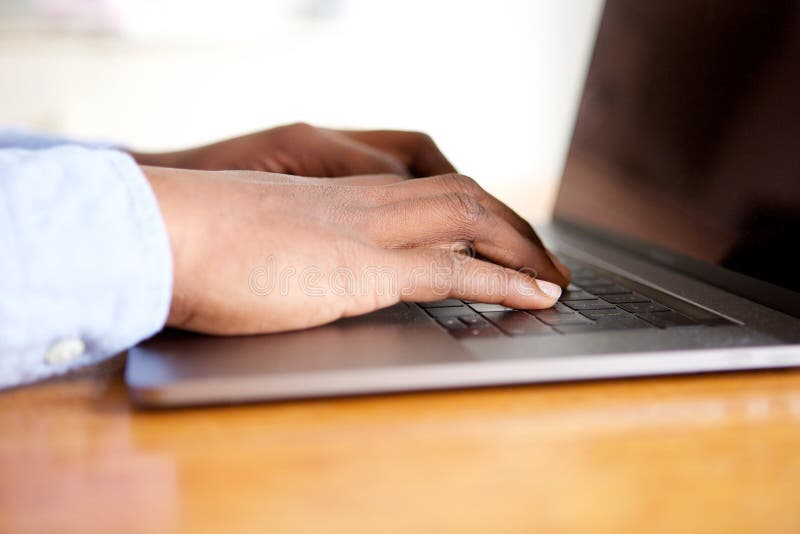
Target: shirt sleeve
[
  {"x": 18, "y": 138},
  {"x": 85, "y": 261}
]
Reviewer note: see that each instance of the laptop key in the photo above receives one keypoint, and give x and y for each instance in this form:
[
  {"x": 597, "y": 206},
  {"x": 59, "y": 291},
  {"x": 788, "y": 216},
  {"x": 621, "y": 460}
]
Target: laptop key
[
  {"x": 555, "y": 319},
  {"x": 625, "y": 298},
  {"x": 667, "y": 319},
  {"x": 517, "y": 323},
  {"x": 474, "y": 320},
  {"x": 488, "y": 307},
  {"x": 569, "y": 295},
  {"x": 441, "y": 303},
  {"x": 558, "y": 308},
  {"x": 611, "y": 322},
  {"x": 643, "y": 307},
  {"x": 621, "y": 322},
  {"x": 451, "y": 323},
  {"x": 594, "y": 314},
  {"x": 608, "y": 290},
  {"x": 586, "y": 281},
  {"x": 474, "y": 332},
  {"x": 470, "y": 326},
  {"x": 596, "y": 304},
  {"x": 449, "y": 311}
]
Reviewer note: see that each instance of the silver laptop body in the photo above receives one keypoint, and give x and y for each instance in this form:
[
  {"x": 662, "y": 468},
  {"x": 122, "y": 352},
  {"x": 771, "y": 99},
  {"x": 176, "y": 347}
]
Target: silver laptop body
[{"x": 679, "y": 214}]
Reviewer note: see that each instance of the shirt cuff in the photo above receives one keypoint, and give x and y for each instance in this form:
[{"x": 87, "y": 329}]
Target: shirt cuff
[{"x": 89, "y": 270}]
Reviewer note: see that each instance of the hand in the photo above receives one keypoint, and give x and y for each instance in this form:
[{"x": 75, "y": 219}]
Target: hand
[
  {"x": 259, "y": 252},
  {"x": 303, "y": 150}
]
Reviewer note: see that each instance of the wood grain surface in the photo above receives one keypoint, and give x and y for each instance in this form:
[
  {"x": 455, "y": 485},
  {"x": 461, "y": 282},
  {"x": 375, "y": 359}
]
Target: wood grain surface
[{"x": 702, "y": 454}]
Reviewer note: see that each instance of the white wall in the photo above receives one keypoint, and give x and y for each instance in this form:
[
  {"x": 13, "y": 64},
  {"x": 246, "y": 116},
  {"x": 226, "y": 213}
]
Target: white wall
[{"x": 495, "y": 82}]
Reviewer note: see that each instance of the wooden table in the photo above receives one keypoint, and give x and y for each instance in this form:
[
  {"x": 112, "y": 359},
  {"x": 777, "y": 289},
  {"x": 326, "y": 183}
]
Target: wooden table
[{"x": 719, "y": 453}]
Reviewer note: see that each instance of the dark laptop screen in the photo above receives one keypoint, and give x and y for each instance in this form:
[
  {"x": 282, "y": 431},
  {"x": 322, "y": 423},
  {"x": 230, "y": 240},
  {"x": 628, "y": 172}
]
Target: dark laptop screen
[{"x": 688, "y": 134}]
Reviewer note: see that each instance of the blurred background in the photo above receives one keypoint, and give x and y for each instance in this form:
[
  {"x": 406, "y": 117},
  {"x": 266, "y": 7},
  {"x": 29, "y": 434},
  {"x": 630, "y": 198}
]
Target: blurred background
[{"x": 495, "y": 82}]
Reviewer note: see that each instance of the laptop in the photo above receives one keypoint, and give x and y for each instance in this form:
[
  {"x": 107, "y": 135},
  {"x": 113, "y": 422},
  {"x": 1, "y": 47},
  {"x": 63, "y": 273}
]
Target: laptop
[{"x": 678, "y": 214}]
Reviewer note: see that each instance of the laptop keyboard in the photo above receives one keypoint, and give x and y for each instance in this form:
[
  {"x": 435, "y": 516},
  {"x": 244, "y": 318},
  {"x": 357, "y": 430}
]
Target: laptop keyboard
[{"x": 593, "y": 302}]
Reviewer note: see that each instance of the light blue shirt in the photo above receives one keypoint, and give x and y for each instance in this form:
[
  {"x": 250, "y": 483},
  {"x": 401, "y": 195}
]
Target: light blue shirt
[{"x": 85, "y": 261}]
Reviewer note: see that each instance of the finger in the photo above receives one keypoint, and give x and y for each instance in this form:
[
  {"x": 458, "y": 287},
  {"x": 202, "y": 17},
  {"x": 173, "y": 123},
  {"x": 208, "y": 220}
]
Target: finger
[
  {"x": 417, "y": 151},
  {"x": 459, "y": 184},
  {"x": 563, "y": 269},
  {"x": 304, "y": 150},
  {"x": 457, "y": 218},
  {"x": 430, "y": 275},
  {"x": 352, "y": 158},
  {"x": 370, "y": 179}
]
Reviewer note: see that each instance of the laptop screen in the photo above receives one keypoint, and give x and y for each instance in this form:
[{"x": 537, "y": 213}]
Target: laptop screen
[{"x": 688, "y": 134}]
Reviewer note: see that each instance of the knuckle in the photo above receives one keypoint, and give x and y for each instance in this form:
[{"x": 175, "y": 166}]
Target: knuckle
[
  {"x": 422, "y": 139},
  {"x": 299, "y": 127},
  {"x": 465, "y": 208},
  {"x": 462, "y": 183}
]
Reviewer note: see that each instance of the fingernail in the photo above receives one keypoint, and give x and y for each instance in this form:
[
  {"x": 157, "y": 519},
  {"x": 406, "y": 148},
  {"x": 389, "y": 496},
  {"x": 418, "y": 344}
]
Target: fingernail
[{"x": 549, "y": 289}]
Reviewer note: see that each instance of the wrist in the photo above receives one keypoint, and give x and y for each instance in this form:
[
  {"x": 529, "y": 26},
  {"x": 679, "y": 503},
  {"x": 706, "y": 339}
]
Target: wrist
[{"x": 167, "y": 186}]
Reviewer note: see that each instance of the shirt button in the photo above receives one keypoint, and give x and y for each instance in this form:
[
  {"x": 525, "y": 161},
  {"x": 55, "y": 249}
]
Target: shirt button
[{"x": 64, "y": 351}]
